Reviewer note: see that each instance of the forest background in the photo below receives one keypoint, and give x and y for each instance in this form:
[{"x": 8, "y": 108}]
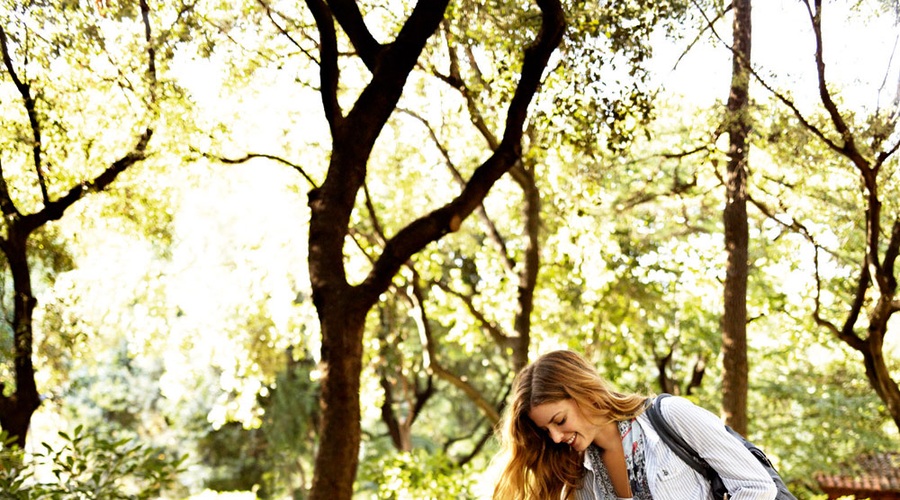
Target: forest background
[{"x": 298, "y": 250}]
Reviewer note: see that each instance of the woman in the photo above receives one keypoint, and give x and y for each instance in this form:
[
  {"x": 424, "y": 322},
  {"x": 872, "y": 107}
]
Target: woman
[{"x": 567, "y": 435}]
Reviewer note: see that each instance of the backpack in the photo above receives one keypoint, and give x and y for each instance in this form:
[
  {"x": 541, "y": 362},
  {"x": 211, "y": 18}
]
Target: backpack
[{"x": 684, "y": 451}]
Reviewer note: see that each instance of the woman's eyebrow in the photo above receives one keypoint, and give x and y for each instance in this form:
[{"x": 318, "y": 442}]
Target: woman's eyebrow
[
  {"x": 544, "y": 427},
  {"x": 553, "y": 418}
]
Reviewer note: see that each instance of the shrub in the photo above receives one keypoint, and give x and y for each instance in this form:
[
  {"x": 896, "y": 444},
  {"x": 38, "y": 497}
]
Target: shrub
[{"x": 86, "y": 467}]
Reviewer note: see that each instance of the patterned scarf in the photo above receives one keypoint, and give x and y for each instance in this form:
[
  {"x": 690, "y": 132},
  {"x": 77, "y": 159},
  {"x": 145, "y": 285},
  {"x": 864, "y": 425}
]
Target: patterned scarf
[{"x": 633, "y": 443}]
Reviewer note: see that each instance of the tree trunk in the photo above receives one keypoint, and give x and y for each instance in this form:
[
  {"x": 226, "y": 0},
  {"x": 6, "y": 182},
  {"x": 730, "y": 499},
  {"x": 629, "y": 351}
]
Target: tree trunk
[
  {"x": 880, "y": 379},
  {"x": 338, "y": 456},
  {"x": 16, "y": 410},
  {"x": 734, "y": 320},
  {"x": 872, "y": 347},
  {"x": 531, "y": 265}
]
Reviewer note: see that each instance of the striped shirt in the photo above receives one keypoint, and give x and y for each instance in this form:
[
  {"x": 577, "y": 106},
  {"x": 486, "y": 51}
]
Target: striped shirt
[{"x": 670, "y": 478}]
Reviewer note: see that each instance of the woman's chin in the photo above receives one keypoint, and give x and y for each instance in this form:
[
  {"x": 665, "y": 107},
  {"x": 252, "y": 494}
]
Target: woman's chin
[{"x": 577, "y": 444}]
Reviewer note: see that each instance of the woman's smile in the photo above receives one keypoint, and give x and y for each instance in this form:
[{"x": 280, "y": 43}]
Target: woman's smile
[{"x": 564, "y": 423}]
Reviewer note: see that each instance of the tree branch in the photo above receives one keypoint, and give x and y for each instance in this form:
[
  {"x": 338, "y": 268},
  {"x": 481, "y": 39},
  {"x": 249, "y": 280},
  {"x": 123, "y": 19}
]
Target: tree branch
[
  {"x": 151, "y": 51},
  {"x": 422, "y": 395},
  {"x": 849, "y": 147},
  {"x": 890, "y": 257},
  {"x": 281, "y": 29},
  {"x": 31, "y": 109},
  {"x": 456, "y": 81},
  {"x": 486, "y": 435},
  {"x": 794, "y": 226},
  {"x": 697, "y": 374},
  {"x": 389, "y": 74},
  {"x": 887, "y": 153},
  {"x": 249, "y": 156},
  {"x": 328, "y": 63},
  {"x": 536, "y": 57},
  {"x": 354, "y": 136},
  {"x": 493, "y": 232},
  {"x": 678, "y": 188},
  {"x": 387, "y": 413},
  {"x": 710, "y": 24},
  {"x": 500, "y": 338},
  {"x": 847, "y": 332},
  {"x": 54, "y": 210},
  {"x": 666, "y": 383},
  {"x": 448, "y": 218},
  {"x": 7, "y": 207},
  {"x": 347, "y": 14},
  {"x": 431, "y": 363}
]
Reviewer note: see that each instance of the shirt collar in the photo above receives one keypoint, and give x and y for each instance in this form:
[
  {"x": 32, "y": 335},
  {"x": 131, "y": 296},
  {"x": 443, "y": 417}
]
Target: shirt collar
[{"x": 587, "y": 462}]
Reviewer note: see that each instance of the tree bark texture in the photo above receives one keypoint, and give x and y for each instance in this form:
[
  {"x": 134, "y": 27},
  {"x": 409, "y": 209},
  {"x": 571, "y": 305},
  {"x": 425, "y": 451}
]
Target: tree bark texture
[
  {"x": 16, "y": 410},
  {"x": 529, "y": 274},
  {"x": 734, "y": 320}
]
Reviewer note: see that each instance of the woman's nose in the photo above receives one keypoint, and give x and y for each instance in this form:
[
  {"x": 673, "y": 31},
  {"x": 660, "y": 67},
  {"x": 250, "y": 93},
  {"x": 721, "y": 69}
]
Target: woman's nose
[{"x": 556, "y": 435}]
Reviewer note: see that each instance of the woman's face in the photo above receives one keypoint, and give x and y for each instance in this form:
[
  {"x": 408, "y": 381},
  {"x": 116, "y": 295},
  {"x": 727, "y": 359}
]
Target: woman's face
[{"x": 564, "y": 423}]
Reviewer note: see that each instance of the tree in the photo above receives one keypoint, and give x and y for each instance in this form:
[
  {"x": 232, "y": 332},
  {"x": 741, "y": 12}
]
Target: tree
[
  {"x": 42, "y": 174},
  {"x": 342, "y": 307},
  {"x": 734, "y": 318},
  {"x": 495, "y": 264},
  {"x": 867, "y": 144}
]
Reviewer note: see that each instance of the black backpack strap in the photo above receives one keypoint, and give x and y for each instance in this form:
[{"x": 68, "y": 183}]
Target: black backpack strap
[{"x": 675, "y": 442}]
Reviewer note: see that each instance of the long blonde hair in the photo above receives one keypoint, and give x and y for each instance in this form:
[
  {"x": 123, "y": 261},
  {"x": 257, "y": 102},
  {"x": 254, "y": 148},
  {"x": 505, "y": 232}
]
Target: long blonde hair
[{"x": 536, "y": 467}]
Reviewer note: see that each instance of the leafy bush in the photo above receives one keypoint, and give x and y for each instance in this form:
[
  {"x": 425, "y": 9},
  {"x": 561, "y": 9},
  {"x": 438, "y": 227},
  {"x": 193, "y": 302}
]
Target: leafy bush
[
  {"x": 416, "y": 475},
  {"x": 86, "y": 467}
]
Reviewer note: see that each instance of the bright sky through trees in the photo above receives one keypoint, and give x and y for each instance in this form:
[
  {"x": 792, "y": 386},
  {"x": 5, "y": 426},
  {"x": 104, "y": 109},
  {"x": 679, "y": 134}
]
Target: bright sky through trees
[{"x": 783, "y": 45}]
